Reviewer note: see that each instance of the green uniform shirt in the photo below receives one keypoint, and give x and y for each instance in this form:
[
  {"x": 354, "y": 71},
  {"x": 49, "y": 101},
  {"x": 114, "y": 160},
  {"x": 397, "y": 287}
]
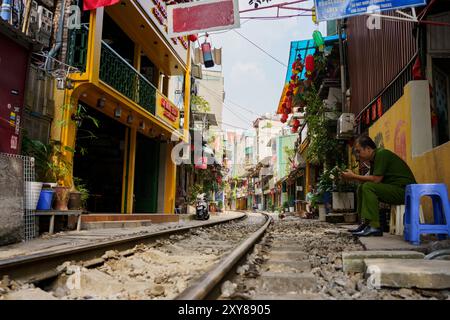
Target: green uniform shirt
[{"x": 394, "y": 170}]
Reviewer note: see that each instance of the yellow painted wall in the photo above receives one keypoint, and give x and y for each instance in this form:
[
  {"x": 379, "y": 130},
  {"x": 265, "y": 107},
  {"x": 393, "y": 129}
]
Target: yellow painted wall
[{"x": 393, "y": 131}]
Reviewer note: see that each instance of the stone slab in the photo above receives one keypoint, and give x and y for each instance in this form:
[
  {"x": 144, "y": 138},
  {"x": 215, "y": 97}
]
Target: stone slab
[
  {"x": 293, "y": 266},
  {"x": 390, "y": 242},
  {"x": 300, "y": 296},
  {"x": 288, "y": 255},
  {"x": 410, "y": 273},
  {"x": 286, "y": 282},
  {"x": 353, "y": 261}
]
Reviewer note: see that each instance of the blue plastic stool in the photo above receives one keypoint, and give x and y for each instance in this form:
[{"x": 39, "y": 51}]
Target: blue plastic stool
[{"x": 441, "y": 210}]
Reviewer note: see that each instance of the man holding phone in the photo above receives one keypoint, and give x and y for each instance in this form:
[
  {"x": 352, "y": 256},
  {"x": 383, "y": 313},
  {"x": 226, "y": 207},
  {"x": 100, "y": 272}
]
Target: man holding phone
[{"x": 387, "y": 180}]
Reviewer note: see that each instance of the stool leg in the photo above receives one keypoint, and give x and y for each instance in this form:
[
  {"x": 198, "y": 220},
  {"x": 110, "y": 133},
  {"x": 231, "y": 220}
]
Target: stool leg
[
  {"x": 52, "y": 224},
  {"x": 437, "y": 210},
  {"x": 79, "y": 223},
  {"x": 414, "y": 216}
]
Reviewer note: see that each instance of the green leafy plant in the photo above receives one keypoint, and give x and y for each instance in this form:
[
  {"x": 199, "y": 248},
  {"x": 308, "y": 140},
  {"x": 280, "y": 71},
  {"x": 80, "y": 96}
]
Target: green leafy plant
[
  {"x": 79, "y": 186},
  {"x": 286, "y": 204},
  {"x": 199, "y": 104},
  {"x": 50, "y": 161},
  {"x": 194, "y": 191}
]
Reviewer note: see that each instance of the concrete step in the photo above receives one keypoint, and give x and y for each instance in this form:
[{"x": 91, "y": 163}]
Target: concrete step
[
  {"x": 408, "y": 273},
  {"x": 115, "y": 224},
  {"x": 353, "y": 261},
  {"x": 287, "y": 282}
]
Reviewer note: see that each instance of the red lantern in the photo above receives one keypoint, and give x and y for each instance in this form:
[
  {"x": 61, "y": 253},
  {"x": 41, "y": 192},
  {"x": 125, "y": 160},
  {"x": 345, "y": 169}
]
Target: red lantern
[
  {"x": 296, "y": 123},
  {"x": 289, "y": 93},
  {"x": 284, "y": 118},
  {"x": 294, "y": 129},
  {"x": 192, "y": 37},
  {"x": 309, "y": 63}
]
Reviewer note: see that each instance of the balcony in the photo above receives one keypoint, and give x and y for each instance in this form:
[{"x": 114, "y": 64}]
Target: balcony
[{"x": 119, "y": 74}]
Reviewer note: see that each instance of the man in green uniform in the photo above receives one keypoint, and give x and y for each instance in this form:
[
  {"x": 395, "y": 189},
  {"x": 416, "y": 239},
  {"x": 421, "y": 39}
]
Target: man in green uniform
[{"x": 389, "y": 175}]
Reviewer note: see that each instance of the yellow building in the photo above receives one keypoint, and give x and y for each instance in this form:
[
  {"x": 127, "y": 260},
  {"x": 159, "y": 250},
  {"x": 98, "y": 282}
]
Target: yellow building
[
  {"x": 126, "y": 59},
  {"x": 406, "y": 129}
]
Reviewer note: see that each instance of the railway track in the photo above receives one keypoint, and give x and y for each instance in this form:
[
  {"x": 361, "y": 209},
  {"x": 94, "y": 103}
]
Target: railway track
[{"x": 186, "y": 263}]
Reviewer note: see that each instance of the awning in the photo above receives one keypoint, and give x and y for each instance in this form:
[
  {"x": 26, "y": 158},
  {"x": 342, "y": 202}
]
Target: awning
[{"x": 301, "y": 49}]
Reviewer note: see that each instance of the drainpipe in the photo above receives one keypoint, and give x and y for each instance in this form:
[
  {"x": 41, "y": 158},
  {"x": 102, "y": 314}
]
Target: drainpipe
[
  {"x": 59, "y": 36},
  {"x": 341, "y": 58}
]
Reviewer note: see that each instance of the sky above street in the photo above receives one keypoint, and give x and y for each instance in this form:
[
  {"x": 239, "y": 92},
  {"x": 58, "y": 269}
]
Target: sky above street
[{"x": 253, "y": 80}]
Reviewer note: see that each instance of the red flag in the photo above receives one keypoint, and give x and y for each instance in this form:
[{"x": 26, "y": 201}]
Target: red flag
[{"x": 94, "y": 4}]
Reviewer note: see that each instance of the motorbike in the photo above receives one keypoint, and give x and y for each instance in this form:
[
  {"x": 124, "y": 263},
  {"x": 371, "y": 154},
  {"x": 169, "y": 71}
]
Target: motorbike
[{"x": 201, "y": 208}]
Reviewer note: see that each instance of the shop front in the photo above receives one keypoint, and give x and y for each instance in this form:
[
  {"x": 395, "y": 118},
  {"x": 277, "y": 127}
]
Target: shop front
[{"x": 124, "y": 133}]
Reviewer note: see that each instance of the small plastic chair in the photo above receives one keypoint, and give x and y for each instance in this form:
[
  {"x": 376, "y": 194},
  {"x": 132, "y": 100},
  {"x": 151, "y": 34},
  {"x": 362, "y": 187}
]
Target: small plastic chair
[{"x": 441, "y": 212}]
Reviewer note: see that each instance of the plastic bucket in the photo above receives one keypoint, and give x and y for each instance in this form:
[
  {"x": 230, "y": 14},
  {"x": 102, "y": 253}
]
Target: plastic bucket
[
  {"x": 45, "y": 200},
  {"x": 32, "y": 194}
]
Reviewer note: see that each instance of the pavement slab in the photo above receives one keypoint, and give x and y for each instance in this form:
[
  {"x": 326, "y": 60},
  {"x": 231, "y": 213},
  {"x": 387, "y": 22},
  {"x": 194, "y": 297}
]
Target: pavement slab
[
  {"x": 353, "y": 261},
  {"x": 409, "y": 273}
]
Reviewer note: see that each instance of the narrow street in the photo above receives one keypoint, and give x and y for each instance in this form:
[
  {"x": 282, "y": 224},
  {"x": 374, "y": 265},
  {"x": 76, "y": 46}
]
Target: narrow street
[{"x": 224, "y": 152}]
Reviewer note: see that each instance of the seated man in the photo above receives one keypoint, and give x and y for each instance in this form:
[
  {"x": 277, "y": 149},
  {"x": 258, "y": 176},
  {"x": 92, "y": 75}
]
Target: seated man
[{"x": 386, "y": 182}]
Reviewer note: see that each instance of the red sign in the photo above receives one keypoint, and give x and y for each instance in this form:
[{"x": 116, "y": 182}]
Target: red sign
[{"x": 202, "y": 16}]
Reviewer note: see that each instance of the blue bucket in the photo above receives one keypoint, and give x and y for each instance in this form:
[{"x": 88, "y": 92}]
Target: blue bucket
[{"x": 45, "y": 200}]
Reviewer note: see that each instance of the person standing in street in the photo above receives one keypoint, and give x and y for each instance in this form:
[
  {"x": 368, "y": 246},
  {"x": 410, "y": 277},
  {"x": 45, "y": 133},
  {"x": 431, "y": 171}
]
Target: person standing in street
[{"x": 389, "y": 175}]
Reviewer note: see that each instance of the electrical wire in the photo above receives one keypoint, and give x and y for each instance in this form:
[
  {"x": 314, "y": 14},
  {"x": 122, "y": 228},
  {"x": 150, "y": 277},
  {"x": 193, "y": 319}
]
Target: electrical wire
[
  {"x": 219, "y": 98},
  {"x": 254, "y": 44}
]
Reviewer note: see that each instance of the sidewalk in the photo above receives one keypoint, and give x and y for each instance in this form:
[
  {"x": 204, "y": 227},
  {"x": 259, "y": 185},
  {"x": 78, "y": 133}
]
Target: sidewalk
[{"x": 73, "y": 239}]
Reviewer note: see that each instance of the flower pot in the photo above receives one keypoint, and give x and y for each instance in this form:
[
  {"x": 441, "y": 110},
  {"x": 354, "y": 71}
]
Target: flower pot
[
  {"x": 61, "y": 198},
  {"x": 32, "y": 194},
  {"x": 291, "y": 209},
  {"x": 75, "y": 201},
  {"x": 45, "y": 199}
]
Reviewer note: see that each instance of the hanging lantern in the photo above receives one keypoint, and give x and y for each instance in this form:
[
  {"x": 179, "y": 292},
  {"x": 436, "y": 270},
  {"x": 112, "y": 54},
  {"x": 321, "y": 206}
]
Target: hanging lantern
[
  {"x": 296, "y": 123},
  {"x": 294, "y": 130},
  {"x": 314, "y": 16},
  {"x": 318, "y": 40},
  {"x": 284, "y": 118},
  {"x": 309, "y": 63},
  {"x": 193, "y": 37}
]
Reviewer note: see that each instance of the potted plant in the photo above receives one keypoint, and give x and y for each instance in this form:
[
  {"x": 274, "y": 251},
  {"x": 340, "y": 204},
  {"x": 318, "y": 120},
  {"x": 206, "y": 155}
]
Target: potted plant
[
  {"x": 79, "y": 195},
  {"x": 220, "y": 204}
]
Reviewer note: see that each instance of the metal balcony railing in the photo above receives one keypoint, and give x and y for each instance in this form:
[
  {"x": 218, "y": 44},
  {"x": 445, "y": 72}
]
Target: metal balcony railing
[
  {"x": 119, "y": 74},
  {"x": 77, "y": 48}
]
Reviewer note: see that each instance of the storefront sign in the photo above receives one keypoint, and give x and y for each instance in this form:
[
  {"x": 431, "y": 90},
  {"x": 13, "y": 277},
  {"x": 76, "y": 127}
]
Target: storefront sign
[
  {"x": 338, "y": 9},
  {"x": 202, "y": 16},
  {"x": 167, "y": 111}
]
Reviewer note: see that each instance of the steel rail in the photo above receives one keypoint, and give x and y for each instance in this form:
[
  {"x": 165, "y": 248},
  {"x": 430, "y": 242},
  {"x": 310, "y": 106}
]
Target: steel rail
[
  {"x": 40, "y": 266},
  {"x": 208, "y": 281}
]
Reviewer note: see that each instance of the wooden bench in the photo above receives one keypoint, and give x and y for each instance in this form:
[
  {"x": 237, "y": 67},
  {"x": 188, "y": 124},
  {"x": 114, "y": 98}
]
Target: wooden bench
[{"x": 53, "y": 213}]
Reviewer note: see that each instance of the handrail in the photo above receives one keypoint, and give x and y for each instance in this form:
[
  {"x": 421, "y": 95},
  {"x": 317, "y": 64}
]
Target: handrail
[{"x": 129, "y": 65}]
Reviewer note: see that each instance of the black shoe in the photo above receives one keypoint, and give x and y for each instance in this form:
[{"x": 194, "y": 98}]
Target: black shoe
[
  {"x": 369, "y": 232},
  {"x": 359, "y": 228}
]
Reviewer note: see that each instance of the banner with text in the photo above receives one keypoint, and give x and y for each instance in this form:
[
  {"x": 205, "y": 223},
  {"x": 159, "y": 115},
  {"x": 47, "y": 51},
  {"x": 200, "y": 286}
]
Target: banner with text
[{"x": 338, "y": 9}]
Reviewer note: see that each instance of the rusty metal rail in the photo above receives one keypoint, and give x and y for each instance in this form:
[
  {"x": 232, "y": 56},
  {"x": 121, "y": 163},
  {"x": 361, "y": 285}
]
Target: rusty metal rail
[
  {"x": 41, "y": 266},
  {"x": 206, "y": 283}
]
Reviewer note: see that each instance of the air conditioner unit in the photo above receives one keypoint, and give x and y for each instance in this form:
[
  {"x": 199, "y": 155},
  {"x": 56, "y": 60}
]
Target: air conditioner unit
[{"x": 345, "y": 125}]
